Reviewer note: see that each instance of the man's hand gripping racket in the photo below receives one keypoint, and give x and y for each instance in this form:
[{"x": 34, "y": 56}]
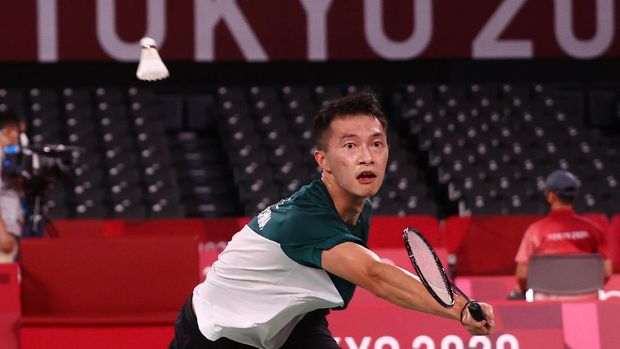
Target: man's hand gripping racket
[{"x": 427, "y": 265}]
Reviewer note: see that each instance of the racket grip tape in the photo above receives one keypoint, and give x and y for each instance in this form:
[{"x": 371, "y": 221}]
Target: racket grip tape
[{"x": 476, "y": 311}]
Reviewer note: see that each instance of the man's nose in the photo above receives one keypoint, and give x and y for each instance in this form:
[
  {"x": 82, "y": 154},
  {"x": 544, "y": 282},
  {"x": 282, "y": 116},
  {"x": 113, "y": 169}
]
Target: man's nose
[{"x": 365, "y": 156}]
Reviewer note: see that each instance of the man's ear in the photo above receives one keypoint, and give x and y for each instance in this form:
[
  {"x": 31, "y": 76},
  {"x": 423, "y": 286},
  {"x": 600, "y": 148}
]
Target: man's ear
[
  {"x": 321, "y": 160},
  {"x": 550, "y": 196}
]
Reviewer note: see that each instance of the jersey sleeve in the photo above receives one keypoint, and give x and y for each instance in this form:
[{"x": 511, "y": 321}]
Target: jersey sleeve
[
  {"x": 307, "y": 234},
  {"x": 603, "y": 247},
  {"x": 527, "y": 247}
]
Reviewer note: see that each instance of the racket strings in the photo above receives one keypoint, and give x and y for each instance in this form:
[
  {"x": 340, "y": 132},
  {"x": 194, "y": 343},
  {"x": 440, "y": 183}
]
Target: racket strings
[{"x": 430, "y": 268}]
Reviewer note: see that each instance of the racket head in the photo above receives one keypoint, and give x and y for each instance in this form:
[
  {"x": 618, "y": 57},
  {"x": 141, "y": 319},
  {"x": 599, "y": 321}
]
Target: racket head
[{"x": 428, "y": 267}]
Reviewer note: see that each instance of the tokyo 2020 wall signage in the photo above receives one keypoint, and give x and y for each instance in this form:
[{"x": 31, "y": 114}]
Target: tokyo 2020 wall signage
[{"x": 308, "y": 30}]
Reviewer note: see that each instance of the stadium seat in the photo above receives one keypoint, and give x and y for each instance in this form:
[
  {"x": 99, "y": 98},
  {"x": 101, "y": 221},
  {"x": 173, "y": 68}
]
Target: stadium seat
[
  {"x": 43, "y": 96},
  {"x": 478, "y": 148},
  {"x": 295, "y": 93},
  {"x": 236, "y": 95},
  {"x": 109, "y": 95},
  {"x": 200, "y": 111},
  {"x": 556, "y": 277},
  {"x": 271, "y": 120},
  {"x": 90, "y": 208},
  {"x": 533, "y": 126},
  {"x": 13, "y": 99},
  {"x": 76, "y": 95},
  {"x": 141, "y": 94},
  {"x": 325, "y": 93}
]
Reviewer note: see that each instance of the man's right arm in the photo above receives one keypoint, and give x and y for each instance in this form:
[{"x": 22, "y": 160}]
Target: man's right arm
[
  {"x": 364, "y": 268},
  {"x": 521, "y": 276},
  {"x": 526, "y": 250}
]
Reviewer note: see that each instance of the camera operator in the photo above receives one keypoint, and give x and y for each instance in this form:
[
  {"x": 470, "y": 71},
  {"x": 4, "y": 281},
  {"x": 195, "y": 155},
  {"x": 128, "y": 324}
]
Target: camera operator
[{"x": 11, "y": 213}]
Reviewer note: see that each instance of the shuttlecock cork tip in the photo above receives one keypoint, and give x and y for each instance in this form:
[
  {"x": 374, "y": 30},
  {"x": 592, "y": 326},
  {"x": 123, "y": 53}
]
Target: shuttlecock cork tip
[{"x": 147, "y": 42}]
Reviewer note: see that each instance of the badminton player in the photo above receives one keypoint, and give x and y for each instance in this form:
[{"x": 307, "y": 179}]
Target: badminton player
[{"x": 281, "y": 274}]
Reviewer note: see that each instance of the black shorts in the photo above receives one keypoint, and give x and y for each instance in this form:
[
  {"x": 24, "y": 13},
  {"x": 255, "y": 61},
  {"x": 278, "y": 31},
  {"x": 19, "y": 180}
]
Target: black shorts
[{"x": 310, "y": 333}]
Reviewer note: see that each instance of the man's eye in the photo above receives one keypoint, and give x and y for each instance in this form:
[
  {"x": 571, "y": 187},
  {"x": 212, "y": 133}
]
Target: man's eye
[
  {"x": 377, "y": 144},
  {"x": 349, "y": 145}
]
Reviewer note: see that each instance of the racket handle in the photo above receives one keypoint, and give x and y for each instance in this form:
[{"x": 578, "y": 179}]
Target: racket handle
[{"x": 476, "y": 311}]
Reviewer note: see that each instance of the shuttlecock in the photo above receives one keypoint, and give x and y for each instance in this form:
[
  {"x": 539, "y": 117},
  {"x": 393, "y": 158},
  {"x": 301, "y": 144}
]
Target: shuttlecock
[{"x": 151, "y": 67}]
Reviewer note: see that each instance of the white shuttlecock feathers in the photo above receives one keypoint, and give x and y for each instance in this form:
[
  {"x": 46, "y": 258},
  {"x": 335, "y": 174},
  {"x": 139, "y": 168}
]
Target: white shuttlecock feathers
[{"x": 151, "y": 67}]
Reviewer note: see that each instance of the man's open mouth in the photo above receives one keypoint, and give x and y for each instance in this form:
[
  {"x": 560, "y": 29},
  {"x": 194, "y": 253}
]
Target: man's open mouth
[{"x": 366, "y": 176}]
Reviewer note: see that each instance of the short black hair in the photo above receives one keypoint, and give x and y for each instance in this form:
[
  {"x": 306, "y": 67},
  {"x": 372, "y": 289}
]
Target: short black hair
[
  {"x": 566, "y": 199},
  {"x": 362, "y": 103},
  {"x": 9, "y": 119}
]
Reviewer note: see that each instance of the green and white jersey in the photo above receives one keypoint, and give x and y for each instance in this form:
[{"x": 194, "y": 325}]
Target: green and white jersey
[{"x": 270, "y": 273}]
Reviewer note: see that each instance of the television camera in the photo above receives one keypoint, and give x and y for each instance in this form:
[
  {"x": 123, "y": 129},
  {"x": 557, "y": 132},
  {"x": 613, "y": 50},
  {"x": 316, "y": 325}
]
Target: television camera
[{"x": 35, "y": 169}]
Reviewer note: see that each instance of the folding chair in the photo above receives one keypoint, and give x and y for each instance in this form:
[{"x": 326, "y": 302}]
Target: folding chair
[{"x": 565, "y": 276}]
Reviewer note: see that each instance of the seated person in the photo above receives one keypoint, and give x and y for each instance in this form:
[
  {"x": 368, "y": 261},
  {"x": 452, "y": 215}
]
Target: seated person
[
  {"x": 11, "y": 214},
  {"x": 555, "y": 234}
]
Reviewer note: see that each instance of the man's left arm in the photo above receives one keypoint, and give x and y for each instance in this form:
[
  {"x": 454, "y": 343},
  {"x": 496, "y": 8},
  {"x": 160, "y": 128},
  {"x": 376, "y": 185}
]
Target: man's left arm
[
  {"x": 8, "y": 242},
  {"x": 609, "y": 269},
  {"x": 603, "y": 249}
]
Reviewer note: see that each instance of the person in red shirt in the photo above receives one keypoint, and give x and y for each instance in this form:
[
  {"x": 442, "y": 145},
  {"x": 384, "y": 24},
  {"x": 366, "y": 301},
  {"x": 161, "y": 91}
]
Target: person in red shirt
[{"x": 562, "y": 231}]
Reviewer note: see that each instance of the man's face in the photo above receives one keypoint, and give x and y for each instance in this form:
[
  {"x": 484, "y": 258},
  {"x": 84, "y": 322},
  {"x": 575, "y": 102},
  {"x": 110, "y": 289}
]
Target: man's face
[
  {"x": 9, "y": 136},
  {"x": 356, "y": 154}
]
